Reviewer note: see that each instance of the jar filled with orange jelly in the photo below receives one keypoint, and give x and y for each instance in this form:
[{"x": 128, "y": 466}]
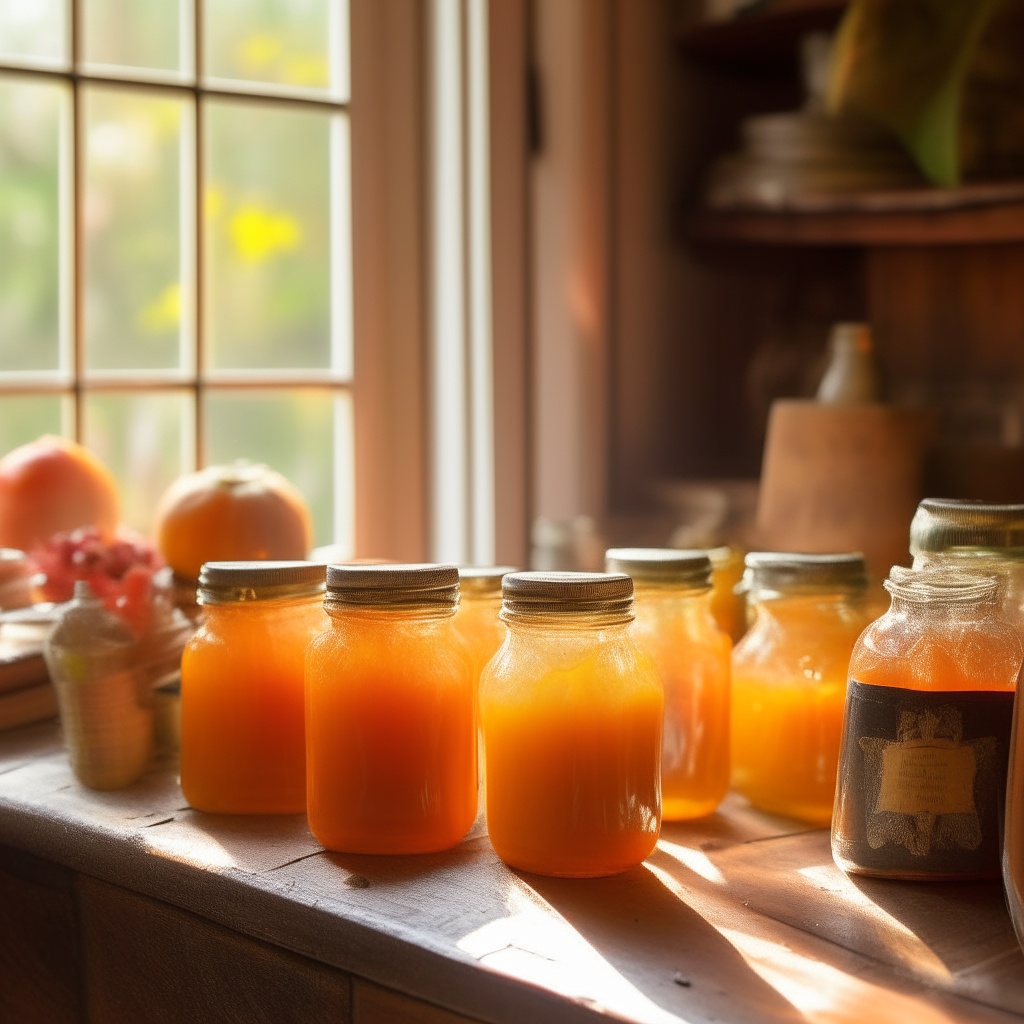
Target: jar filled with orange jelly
[
  {"x": 243, "y": 747},
  {"x": 390, "y": 723},
  {"x": 478, "y": 618},
  {"x": 675, "y": 623},
  {"x": 929, "y": 707},
  {"x": 571, "y": 711},
  {"x": 789, "y": 679}
]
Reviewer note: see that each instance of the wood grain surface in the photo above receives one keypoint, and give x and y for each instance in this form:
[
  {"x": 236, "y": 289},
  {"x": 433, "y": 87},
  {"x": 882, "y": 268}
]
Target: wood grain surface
[{"x": 739, "y": 917}]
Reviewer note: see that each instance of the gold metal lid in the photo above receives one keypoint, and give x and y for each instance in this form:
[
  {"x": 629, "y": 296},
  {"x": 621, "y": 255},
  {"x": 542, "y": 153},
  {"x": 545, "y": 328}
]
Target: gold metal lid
[
  {"x": 664, "y": 566},
  {"x": 419, "y": 585},
  {"x": 234, "y": 582},
  {"x": 940, "y": 585},
  {"x": 483, "y": 581},
  {"x": 944, "y": 524},
  {"x": 789, "y": 570},
  {"x": 527, "y": 595}
]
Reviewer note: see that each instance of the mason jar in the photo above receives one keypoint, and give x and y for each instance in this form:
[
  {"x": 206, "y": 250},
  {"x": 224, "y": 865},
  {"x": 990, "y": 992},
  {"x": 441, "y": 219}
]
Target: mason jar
[
  {"x": 243, "y": 745},
  {"x": 789, "y": 679},
  {"x": 571, "y": 709},
  {"x": 926, "y": 735},
  {"x": 675, "y": 623},
  {"x": 390, "y": 721}
]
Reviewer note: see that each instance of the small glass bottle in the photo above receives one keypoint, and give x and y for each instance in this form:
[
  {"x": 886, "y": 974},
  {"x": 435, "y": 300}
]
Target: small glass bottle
[
  {"x": 106, "y": 706},
  {"x": 571, "y": 709},
  {"x": 789, "y": 679},
  {"x": 974, "y": 536},
  {"x": 674, "y": 623},
  {"x": 390, "y": 722},
  {"x": 926, "y": 732},
  {"x": 243, "y": 748}
]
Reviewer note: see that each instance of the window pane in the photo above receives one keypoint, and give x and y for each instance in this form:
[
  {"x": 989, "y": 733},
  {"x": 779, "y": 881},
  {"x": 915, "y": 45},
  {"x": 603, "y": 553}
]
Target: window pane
[
  {"x": 30, "y": 137},
  {"x": 34, "y": 29},
  {"x": 134, "y": 33},
  {"x": 305, "y": 435},
  {"x": 24, "y": 417},
  {"x": 298, "y": 43},
  {"x": 134, "y": 300},
  {"x": 146, "y": 439},
  {"x": 268, "y": 251}
]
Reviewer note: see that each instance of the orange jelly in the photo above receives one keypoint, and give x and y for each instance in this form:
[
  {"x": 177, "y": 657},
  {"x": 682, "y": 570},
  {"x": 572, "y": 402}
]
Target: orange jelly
[
  {"x": 675, "y": 625},
  {"x": 789, "y": 679},
  {"x": 390, "y": 723},
  {"x": 478, "y": 619},
  {"x": 571, "y": 710},
  {"x": 242, "y": 708}
]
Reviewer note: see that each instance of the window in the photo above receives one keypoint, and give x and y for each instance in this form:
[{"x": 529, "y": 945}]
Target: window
[{"x": 175, "y": 239}]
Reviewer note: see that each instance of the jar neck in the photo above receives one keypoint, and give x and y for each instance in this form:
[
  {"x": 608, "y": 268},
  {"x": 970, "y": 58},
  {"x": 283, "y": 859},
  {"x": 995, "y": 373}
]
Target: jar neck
[
  {"x": 384, "y": 613},
  {"x": 651, "y": 592},
  {"x": 936, "y": 610},
  {"x": 263, "y": 605},
  {"x": 798, "y": 604},
  {"x": 566, "y": 624}
]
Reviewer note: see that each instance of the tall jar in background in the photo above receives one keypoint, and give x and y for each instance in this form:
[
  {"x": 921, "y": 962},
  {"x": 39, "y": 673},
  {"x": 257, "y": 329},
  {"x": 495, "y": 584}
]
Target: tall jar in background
[
  {"x": 390, "y": 722},
  {"x": 926, "y": 735},
  {"x": 973, "y": 536},
  {"x": 674, "y": 622},
  {"x": 478, "y": 618},
  {"x": 243, "y": 748},
  {"x": 728, "y": 607},
  {"x": 789, "y": 679},
  {"x": 571, "y": 709}
]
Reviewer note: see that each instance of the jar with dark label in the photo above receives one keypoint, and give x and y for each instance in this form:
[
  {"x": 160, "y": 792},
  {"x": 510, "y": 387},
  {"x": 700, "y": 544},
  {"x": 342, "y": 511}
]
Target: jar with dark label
[{"x": 926, "y": 733}]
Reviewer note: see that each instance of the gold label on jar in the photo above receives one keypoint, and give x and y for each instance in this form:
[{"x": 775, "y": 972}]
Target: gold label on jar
[{"x": 921, "y": 780}]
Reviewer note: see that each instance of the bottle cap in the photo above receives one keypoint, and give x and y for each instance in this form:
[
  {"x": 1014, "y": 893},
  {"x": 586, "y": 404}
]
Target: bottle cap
[
  {"x": 665, "y": 566},
  {"x": 421, "y": 585},
  {"x": 950, "y": 524},
  {"x": 234, "y": 582},
  {"x": 528, "y": 595},
  {"x": 787, "y": 570}
]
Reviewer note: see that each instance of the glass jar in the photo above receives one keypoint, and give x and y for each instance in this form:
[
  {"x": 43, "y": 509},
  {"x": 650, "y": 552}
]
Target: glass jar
[
  {"x": 789, "y": 679},
  {"x": 675, "y": 624},
  {"x": 728, "y": 607},
  {"x": 974, "y": 536},
  {"x": 477, "y": 620},
  {"x": 242, "y": 692},
  {"x": 391, "y": 730},
  {"x": 571, "y": 709},
  {"x": 922, "y": 772}
]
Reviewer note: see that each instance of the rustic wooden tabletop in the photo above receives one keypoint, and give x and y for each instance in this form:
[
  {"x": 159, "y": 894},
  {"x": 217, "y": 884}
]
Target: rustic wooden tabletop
[{"x": 740, "y": 917}]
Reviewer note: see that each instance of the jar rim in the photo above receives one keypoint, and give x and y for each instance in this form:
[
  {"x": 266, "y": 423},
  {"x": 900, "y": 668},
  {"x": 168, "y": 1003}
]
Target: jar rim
[
  {"x": 791, "y": 571},
  {"x": 397, "y": 585},
  {"x": 537, "y": 595},
  {"x": 941, "y": 586},
  {"x": 687, "y": 567},
  {"x": 943, "y": 524}
]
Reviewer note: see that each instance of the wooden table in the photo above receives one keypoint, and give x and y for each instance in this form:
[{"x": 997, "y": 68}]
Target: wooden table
[{"x": 131, "y": 907}]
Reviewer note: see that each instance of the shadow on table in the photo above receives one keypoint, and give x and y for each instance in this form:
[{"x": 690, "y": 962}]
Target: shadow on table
[{"x": 663, "y": 947}]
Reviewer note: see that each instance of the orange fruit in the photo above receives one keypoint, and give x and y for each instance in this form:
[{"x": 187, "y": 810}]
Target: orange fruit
[
  {"x": 52, "y": 485},
  {"x": 231, "y": 513}
]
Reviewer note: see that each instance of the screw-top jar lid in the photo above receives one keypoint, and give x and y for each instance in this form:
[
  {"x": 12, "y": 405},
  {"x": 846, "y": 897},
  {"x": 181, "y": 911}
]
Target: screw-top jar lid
[
  {"x": 420, "y": 585},
  {"x": 481, "y": 581},
  {"x": 231, "y": 582},
  {"x": 665, "y": 566},
  {"x": 607, "y": 596},
  {"x": 944, "y": 586},
  {"x": 786, "y": 570},
  {"x": 942, "y": 524}
]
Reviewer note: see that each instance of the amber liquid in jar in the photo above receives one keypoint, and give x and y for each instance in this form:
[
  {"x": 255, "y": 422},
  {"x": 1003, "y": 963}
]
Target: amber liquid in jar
[
  {"x": 926, "y": 732},
  {"x": 390, "y": 722},
  {"x": 571, "y": 709},
  {"x": 675, "y": 625},
  {"x": 243, "y": 746},
  {"x": 789, "y": 680}
]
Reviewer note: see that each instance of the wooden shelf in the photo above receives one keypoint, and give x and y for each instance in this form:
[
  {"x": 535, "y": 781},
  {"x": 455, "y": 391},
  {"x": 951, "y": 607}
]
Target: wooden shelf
[
  {"x": 767, "y": 37},
  {"x": 971, "y": 214}
]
